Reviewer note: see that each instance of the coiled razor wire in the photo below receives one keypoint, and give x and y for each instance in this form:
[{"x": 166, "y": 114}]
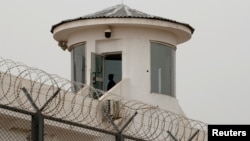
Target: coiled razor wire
[{"x": 86, "y": 105}]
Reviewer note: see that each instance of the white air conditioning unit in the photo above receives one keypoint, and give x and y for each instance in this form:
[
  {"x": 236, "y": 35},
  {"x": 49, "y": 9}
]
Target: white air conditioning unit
[{"x": 112, "y": 109}]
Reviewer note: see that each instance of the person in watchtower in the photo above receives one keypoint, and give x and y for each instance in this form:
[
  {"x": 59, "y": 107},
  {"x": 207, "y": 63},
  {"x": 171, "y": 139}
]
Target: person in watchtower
[{"x": 111, "y": 81}]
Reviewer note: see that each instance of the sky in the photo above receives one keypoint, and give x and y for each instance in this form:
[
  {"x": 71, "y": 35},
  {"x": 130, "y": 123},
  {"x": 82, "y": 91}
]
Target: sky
[{"x": 212, "y": 68}]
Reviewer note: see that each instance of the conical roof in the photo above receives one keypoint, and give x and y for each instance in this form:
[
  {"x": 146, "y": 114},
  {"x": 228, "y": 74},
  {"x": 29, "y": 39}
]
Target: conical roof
[{"x": 120, "y": 11}]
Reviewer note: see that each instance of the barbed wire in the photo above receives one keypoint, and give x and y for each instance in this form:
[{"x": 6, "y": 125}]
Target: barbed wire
[{"x": 81, "y": 103}]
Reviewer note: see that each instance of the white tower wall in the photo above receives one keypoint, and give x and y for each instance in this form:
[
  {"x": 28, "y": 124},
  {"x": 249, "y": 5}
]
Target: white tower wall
[{"x": 134, "y": 44}]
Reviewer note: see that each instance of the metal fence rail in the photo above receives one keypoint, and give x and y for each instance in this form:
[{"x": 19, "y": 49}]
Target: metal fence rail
[{"x": 56, "y": 111}]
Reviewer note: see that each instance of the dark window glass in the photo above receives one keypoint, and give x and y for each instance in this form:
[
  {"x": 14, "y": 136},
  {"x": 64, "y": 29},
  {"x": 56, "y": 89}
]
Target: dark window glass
[
  {"x": 162, "y": 69},
  {"x": 78, "y": 64}
]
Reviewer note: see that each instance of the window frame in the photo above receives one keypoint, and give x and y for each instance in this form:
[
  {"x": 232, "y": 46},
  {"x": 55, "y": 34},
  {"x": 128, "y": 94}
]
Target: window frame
[
  {"x": 172, "y": 69},
  {"x": 73, "y": 73}
]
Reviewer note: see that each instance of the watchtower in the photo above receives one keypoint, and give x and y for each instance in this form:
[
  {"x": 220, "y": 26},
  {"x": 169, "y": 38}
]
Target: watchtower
[{"x": 138, "y": 49}]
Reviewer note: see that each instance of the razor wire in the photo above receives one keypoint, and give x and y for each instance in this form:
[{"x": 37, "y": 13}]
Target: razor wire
[{"x": 83, "y": 104}]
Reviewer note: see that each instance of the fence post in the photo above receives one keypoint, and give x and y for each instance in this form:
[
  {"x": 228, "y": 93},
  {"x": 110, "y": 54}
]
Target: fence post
[
  {"x": 191, "y": 138},
  {"x": 37, "y": 120},
  {"x": 172, "y": 136},
  {"x": 37, "y": 123},
  {"x": 119, "y": 136},
  {"x": 37, "y": 127}
]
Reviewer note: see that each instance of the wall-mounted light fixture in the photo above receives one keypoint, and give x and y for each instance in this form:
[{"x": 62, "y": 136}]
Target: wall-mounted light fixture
[
  {"x": 107, "y": 33},
  {"x": 63, "y": 45}
]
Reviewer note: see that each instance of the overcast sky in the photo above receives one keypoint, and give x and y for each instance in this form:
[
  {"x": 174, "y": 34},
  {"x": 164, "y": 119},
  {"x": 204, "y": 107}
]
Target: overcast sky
[{"x": 213, "y": 68}]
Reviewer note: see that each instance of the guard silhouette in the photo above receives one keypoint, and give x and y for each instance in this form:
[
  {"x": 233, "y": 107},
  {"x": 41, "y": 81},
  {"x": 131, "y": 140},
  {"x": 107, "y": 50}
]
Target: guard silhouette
[{"x": 111, "y": 81}]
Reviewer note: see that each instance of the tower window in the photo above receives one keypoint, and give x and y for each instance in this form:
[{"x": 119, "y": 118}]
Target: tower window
[
  {"x": 162, "y": 68},
  {"x": 78, "y": 65}
]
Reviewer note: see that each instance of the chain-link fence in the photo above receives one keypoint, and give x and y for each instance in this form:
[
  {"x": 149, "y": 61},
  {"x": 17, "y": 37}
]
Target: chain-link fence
[
  {"x": 38, "y": 106},
  {"x": 21, "y": 125}
]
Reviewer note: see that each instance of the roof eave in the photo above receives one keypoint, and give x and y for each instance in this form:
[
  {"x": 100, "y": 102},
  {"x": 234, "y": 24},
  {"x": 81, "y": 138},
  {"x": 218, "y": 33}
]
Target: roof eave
[{"x": 161, "y": 19}]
